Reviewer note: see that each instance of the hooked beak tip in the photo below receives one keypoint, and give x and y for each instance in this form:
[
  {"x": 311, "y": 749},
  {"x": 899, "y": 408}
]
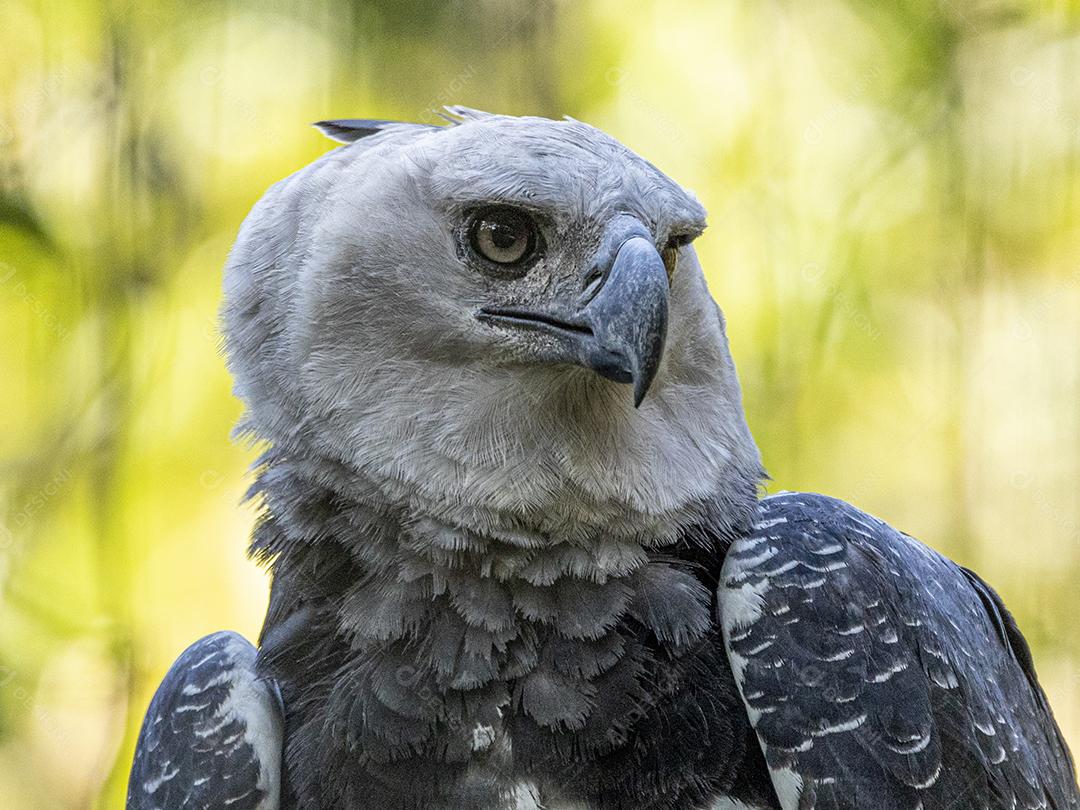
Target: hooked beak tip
[{"x": 642, "y": 383}]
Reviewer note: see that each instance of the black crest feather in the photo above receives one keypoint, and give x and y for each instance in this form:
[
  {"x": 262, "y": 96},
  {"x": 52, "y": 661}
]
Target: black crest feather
[{"x": 347, "y": 130}]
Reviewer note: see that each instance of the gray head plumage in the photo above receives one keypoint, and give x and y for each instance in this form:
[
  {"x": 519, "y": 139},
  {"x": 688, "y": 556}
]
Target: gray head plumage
[{"x": 368, "y": 337}]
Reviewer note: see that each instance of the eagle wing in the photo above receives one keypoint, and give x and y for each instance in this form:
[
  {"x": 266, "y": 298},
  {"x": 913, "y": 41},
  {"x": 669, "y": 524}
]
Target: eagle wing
[
  {"x": 878, "y": 674},
  {"x": 212, "y": 736}
]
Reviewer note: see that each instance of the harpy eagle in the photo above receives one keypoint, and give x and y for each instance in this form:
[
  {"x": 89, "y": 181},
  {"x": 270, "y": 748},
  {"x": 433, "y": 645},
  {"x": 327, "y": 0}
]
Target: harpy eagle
[{"x": 511, "y": 508}]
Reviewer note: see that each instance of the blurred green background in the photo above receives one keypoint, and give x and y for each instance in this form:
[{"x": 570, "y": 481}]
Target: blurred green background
[{"x": 894, "y": 197}]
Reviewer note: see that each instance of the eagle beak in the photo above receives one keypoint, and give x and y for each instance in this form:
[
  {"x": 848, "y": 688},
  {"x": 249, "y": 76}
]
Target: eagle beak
[
  {"x": 627, "y": 317},
  {"x": 618, "y": 323}
]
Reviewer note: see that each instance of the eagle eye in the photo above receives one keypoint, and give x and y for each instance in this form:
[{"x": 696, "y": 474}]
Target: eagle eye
[{"x": 503, "y": 235}]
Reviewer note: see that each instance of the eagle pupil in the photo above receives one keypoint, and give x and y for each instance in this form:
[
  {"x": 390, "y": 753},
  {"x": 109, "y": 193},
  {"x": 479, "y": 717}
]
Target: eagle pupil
[{"x": 504, "y": 237}]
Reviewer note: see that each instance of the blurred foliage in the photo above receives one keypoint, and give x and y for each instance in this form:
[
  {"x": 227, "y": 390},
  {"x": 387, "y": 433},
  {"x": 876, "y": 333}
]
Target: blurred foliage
[{"x": 894, "y": 237}]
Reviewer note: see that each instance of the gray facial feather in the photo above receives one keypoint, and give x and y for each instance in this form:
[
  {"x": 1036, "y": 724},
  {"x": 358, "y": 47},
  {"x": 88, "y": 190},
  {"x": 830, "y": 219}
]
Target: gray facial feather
[{"x": 349, "y": 327}]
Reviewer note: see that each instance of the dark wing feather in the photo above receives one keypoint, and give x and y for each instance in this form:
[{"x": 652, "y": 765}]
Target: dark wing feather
[
  {"x": 878, "y": 674},
  {"x": 212, "y": 735}
]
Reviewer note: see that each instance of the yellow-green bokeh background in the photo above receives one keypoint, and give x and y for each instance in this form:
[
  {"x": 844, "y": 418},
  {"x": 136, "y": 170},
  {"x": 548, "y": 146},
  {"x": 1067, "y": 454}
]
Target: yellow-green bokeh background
[{"x": 894, "y": 197}]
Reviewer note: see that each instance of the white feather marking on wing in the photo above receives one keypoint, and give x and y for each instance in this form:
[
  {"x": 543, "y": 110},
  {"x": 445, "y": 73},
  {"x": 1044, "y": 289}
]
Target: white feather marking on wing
[
  {"x": 932, "y": 778},
  {"x": 151, "y": 785},
  {"x": 753, "y": 562},
  {"x": 250, "y": 702},
  {"x": 766, "y": 524},
  {"x": 847, "y": 725},
  {"x": 788, "y": 786},
  {"x": 743, "y": 605},
  {"x": 832, "y": 548}
]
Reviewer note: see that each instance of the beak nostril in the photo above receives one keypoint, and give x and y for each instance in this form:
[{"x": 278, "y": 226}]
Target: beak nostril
[{"x": 592, "y": 281}]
